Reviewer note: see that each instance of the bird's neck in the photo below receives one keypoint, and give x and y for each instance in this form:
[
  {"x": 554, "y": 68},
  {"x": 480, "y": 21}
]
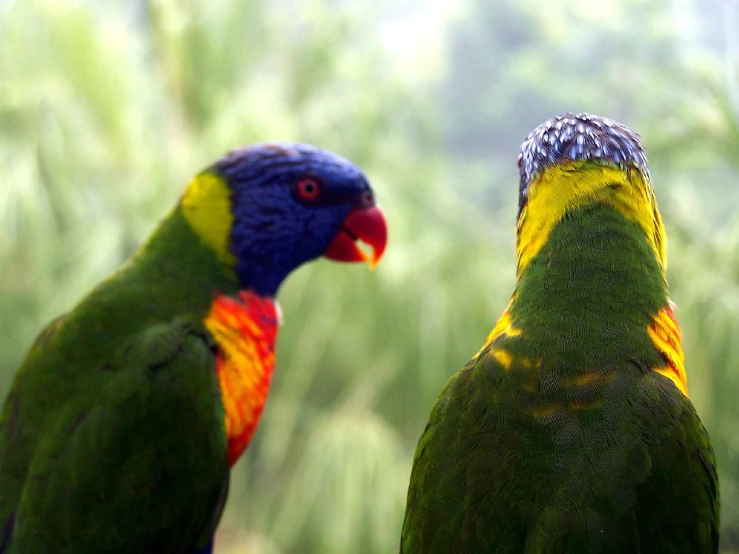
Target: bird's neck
[
  {"x": 207, "y": 206},
  {"x": 596, "y": 270},
  {"x": 188, "y": 269},
  {"x": 245, "y": 329},
  {"x": 594, "y": 293},
  {"x": 243, "y": 323}
]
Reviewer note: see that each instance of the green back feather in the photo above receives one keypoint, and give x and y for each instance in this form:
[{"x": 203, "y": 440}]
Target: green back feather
[{"x": 127, "y": 363}]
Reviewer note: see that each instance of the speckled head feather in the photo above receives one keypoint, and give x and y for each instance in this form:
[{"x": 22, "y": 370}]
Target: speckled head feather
[{"x": 570, "y": 138}]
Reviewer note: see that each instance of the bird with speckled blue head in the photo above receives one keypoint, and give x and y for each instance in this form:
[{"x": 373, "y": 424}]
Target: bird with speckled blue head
[
  {"x": 571, "y": 430},
  {"x": 124, "y": 420}
]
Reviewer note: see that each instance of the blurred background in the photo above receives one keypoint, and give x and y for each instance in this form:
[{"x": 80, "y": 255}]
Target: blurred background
[{"x": 108, "y": 107}]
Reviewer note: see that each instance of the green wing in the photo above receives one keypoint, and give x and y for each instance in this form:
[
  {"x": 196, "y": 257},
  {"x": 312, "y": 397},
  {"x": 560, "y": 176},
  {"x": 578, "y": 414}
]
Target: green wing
[
  {"x": 501, "y": 470},
  {"x": 109, "y": 472}
]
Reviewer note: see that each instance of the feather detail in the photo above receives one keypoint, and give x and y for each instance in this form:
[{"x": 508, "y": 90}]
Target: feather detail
[
  {"x": 667, "y": 338},
  {"x": 245, "y": 330}
]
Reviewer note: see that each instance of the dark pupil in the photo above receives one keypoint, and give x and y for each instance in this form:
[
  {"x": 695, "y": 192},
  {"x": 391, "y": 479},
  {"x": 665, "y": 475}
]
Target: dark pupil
[{"x": 309, "y": 187}]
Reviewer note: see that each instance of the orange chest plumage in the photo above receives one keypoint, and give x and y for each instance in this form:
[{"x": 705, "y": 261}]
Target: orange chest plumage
[{"x": 245, "y": 329}]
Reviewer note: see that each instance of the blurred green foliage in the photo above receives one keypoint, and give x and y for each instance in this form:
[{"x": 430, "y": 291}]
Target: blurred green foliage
[{"x": 108, "y": 107}]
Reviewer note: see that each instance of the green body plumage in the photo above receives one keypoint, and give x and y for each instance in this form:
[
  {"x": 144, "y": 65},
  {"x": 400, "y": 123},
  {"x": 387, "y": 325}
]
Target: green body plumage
[
  {"x": 561, "y": 435},
  {"x": 137, "y": 361}
]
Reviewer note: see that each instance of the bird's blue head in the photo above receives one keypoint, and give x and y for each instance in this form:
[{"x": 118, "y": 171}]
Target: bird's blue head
[{"x": 268, "y": 208}]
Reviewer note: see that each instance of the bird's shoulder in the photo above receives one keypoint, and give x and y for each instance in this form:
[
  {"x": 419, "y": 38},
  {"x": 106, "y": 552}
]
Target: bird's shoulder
[
  {"x": 124, "y": 423},
  {"x": 538, "y": 461}
]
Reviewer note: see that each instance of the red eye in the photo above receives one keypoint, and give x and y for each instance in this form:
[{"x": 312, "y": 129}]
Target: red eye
[{"x": 308, "y": 189}]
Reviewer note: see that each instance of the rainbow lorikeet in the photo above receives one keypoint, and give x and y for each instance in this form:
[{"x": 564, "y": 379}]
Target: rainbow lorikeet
[
  {"x": 571, "y": 429},
  {"x": 121, "y": 425}
]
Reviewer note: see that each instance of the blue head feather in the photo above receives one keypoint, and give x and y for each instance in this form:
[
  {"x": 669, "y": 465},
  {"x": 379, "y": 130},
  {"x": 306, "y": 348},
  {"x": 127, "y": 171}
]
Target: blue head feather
[
  {"x": 570, "y": 138},
  {"x": 274, "y": 229}
]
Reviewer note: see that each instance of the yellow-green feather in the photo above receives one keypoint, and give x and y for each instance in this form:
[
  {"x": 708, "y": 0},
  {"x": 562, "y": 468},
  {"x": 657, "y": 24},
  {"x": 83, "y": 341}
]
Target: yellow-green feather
[{"x": 206, "y": 205}]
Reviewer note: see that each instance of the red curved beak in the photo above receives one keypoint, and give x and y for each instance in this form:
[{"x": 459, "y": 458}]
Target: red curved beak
[{"x": 365, "y": 225}]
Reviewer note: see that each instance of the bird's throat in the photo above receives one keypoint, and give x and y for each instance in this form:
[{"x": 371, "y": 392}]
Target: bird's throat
[{"x": 245, "y": 329}]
